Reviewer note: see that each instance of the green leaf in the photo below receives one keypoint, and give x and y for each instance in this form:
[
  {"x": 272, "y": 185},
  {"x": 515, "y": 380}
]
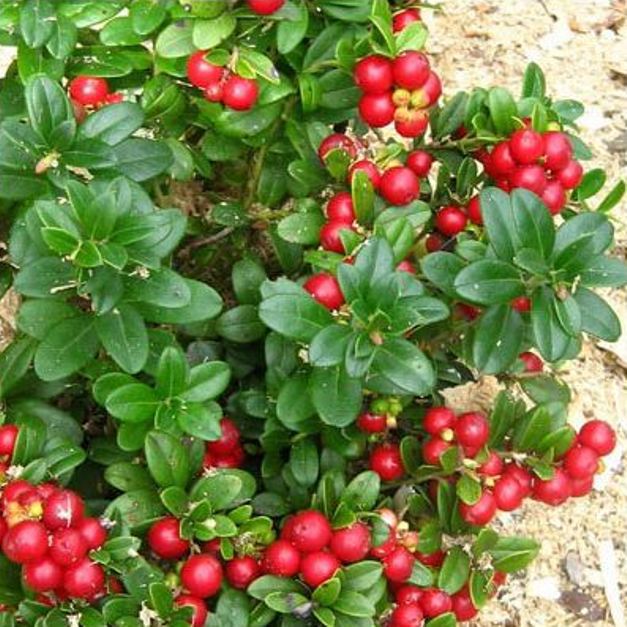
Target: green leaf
[
  {"x": 208, "y": 34},
  {"x": 207, "y": 381},
  {"x": 294, "y": 405},
  {"x": 441, "y": 268},
  {"x": 362, "y": 493},
  {"x": 363, "y": 196},
  {"x": 328, "y": 347},
  {"x": 241, "y": 325},
  {"x": 135, "y": 402},
  {"x": 265, "y": 585},
  {"x": 336, "y": 396},
  {"x": 550, "y": 338},
  {"x": 172, "y": 373},
  {"x": 362, "y": 575},
  {"x": 113, "y": 123},
  {"x": 353, "y": 603},
  {"x": 291, "y": 32},
  {"x": 498, "y": 339},
  {"x": 592, "y": 183},
  {"x": 247, "y": 276},
  {"x": 454, "y": 571},
  {"x": 489, "y": 282},
  {"x": 176, "y": 40},
  {"x": 142, "y": 159},
  {"x": 146, "y": 16},
  {"x": 597, "y": 317},
  {"x": 503, "y": 110},
  {"x": 37, "y": 22},
  {"x": 534, "y": 82},
  {"x": 137, "y": 508},
  {"x": 613, "y": 198},
  {"x": 167, "y": 459},
  {"x": 468, "y": 489},
  {"x": 200, "y": 421},
  {"x": 301, "y": 228},
  {"x": 604, "y": 272},
  {"x": 163, "y": 287},
  {"x": 304, "y": 462},
  {"x": 15, "y": 360},
  {"x": 512, "y": 554}
]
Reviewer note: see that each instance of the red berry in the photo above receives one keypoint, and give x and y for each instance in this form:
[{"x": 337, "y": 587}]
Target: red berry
[
  {"x": 508, "y": 494},
  {"x": 437, "y": 419},
  {"x": 472, "y": 429},
  {"x": 581, "y": 462},
  {"x": 419, "y": 162},
  {"x": 558, "y": 151},
  {"x": 351, "y": 544},
  {"x": 571, "y": 176},
  {"x": 502, "y": 162},
  {"x": 409, "y": 615},
  {"x": 63, "y": 509},
  {"x": 242, "y": 571},
  {"x": 330, "y": 236},
  {"x": 46, "y": 490},
  {"x": 337, "y": 141},
  {"x": 84, "y": 580},
  {"x": 388, "y": 516},
  {"x": 369, "y": 168},
  {"x": 114, "y": 98},
  {"x": 229, "y": 438},
  {"x": 398, "y": 565},
  {"x": 165, "y": 540},
  {"x": 92, "y": 531},
  {"x": 385, "y": 460},
  {"x": 463, "y": 607},
  {"x": 281, "y": 559},
  {"x": 435, "y": 602},
  {"x": 411, "y": 70},
  {"x": 310, "y": 531},
  {"x": 429, "y": 93},
  {"x": 201, "y": 575},
  {"x": 325, "y": 289},
  {"x": 433, "y": 449},
  {"x": 581, "y": 487},
  {"x": 522, "y": 304},
  {"x": 433, "y": 243},
  {"x": 8, "y": 435},
  {"x": 473, "y": 210},
  {"x": 88, "y": 90},
  {"x": 265, "y": 7},
  {"x": 554, "y": 197},
  {"x": 42, "y": 575},
  {"x": 15, "y": 490},
  {"x": 373, "y": 74},
  {"x": 214, "y": 92},
  {"x": 406, "y": 266},
  {"x": 199, "y": 609},
  {"x": 527, "y": 146},
  {"x": 408, "y": 595},
  {"x": 399, "y": 186},
  {"x": 451, "y": 221},
  {"x": 318, "y": 567},
  {"x": 531, "y": 177},
  {"x": 200, "y": 72},
  {"x": 381, "y": 550},
  {"x": 68, "y": 547},
  {"x": 377, "y": 110},
  {"x": 411, "y": 123},
  {"x": 493, "y": 466},
  {"x": 372, "y": 423},
  {"x": 25, "y": 542},
  {"x": 482, "y": 512},
  {"x": 532, "y": 362},
  {"x": 598, "y": 436},
  {"x": 403, "y": 19},
  {"x": 240, "y": 93},
  {"x": 340, "y": 208},
  {"x": 554, "y": 491},
  {"x": 435, "y": 559},
  {"x": 522, "y": 475}
]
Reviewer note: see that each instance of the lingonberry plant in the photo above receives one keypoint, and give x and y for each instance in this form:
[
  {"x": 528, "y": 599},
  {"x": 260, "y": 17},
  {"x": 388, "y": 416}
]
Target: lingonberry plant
[{"x": 253, "y": 243}]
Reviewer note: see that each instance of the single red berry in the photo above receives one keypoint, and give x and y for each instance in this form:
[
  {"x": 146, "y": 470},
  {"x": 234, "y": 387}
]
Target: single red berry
[
  {"x": 351, "y": 544},
  {"x": 399, "y": 186},
  {"x": 15, "y": 490},
  {"x": 472, "y": 429},
  {"x": 310, "y": 531},
  {"x": 8, "y": 436},
  {"x": 201, "y": 575},
  {"x": 581, "y": 462},
  {"x": 25, "y": 542},
  {"x": 406, "y": 266},
  {"x": 372, "y": 423},
  {"x": 505, "y": 185},
  {"x": 200, "y": 72},
  {"x": 234, "y": 459},
  {"x": 419, "y": 162},
  {"x": 68, "y": 547},
  {"x": 437, "y": 419},
  {"x": 522, "y": 304},
  {"x": 411, "y": 70},
  {"x": 434, "y": 242},
  {"x": 493, "y": 466},
  {"x": 435, "y": 602},
  {"x": 199, "y": 609},
  {"x": 554, "y": 491},
  {"x": 373, "y": 74},
  {"x": 281, "y": 559},
  {"x": 318, "y": 567},
  {"x": 408, "y": 595},
  {"x": 337, "y": 141},
  {"x": 386, "y": 461},
  {"x": 377, "y": 110},
  {"x": 368, "y": 168},
  {"x": 84, "y": 580},
  {"x": 433, "y": 449},
  {"x": 463, "y": 607},
  {"x": 212, "y": 546},
  {"x": 571, "y": 176},
  {"x": 554, "y": 197},
  {"x": 527, "y": 146},
  {"x": 330, "y": 236},
  {"x": 88, "y": 90},
  {"x": 398, "y": 565},
  {"x": 242, "y": 571},
  {"x": 229, "y": 438},
  {"x": 42, "y": 575},
  {"x": 558, "y": 151},
  {"x": 46, "y": 490},
  {"x": 531, "y": 177},
  {"x": 63, "y": 509},
  {"x": 502, "y": 162},
  {"x": 240, "y": 93},
  {"x": 115, "y": 98},
  {"x": 214, "y": 92},
  {"x": 411, "y": 123},
  {"x": 482, "y": 512},
  {"x": 164, "y": 539},
  {"x": 265, "y": 7},
  {"x": 473, "y": 210},
  {"x": 508, "y": 494},
  {"x": 435, "y": 559},
  {"x": 92, "y": 531},
  {"x": 599, "y": 436},
  {"x": 522, "y": 475},
  {"x": 409, "y": 615},
  {"x": 403, "y": 19},
  {"x": 340, "y": 208},
  {"x": 325, "y": 289},
  {"x": 581, "y": 487},
  {"x": 532, "y": 362},
  {"x": 429, "y": 93},
  {"x": 451, "y": 221}
]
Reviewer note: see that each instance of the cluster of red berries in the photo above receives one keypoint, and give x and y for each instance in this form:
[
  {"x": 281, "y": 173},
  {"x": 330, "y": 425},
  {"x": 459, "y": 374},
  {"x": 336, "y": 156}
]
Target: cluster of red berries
[
  {"x": 91, "y": 91},
  {"x": 399, "y": 90},
  {"x": 227, "y": 450},
  {"x": 540, "y": 162},
  {"x": 265, "y": 7},
  {"x": 221, "y": 85}
]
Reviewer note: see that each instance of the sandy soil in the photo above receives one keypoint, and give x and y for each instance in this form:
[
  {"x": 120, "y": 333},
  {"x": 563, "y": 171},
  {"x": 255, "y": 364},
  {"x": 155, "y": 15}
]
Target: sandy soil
[{"x": 582, "y": 47}]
